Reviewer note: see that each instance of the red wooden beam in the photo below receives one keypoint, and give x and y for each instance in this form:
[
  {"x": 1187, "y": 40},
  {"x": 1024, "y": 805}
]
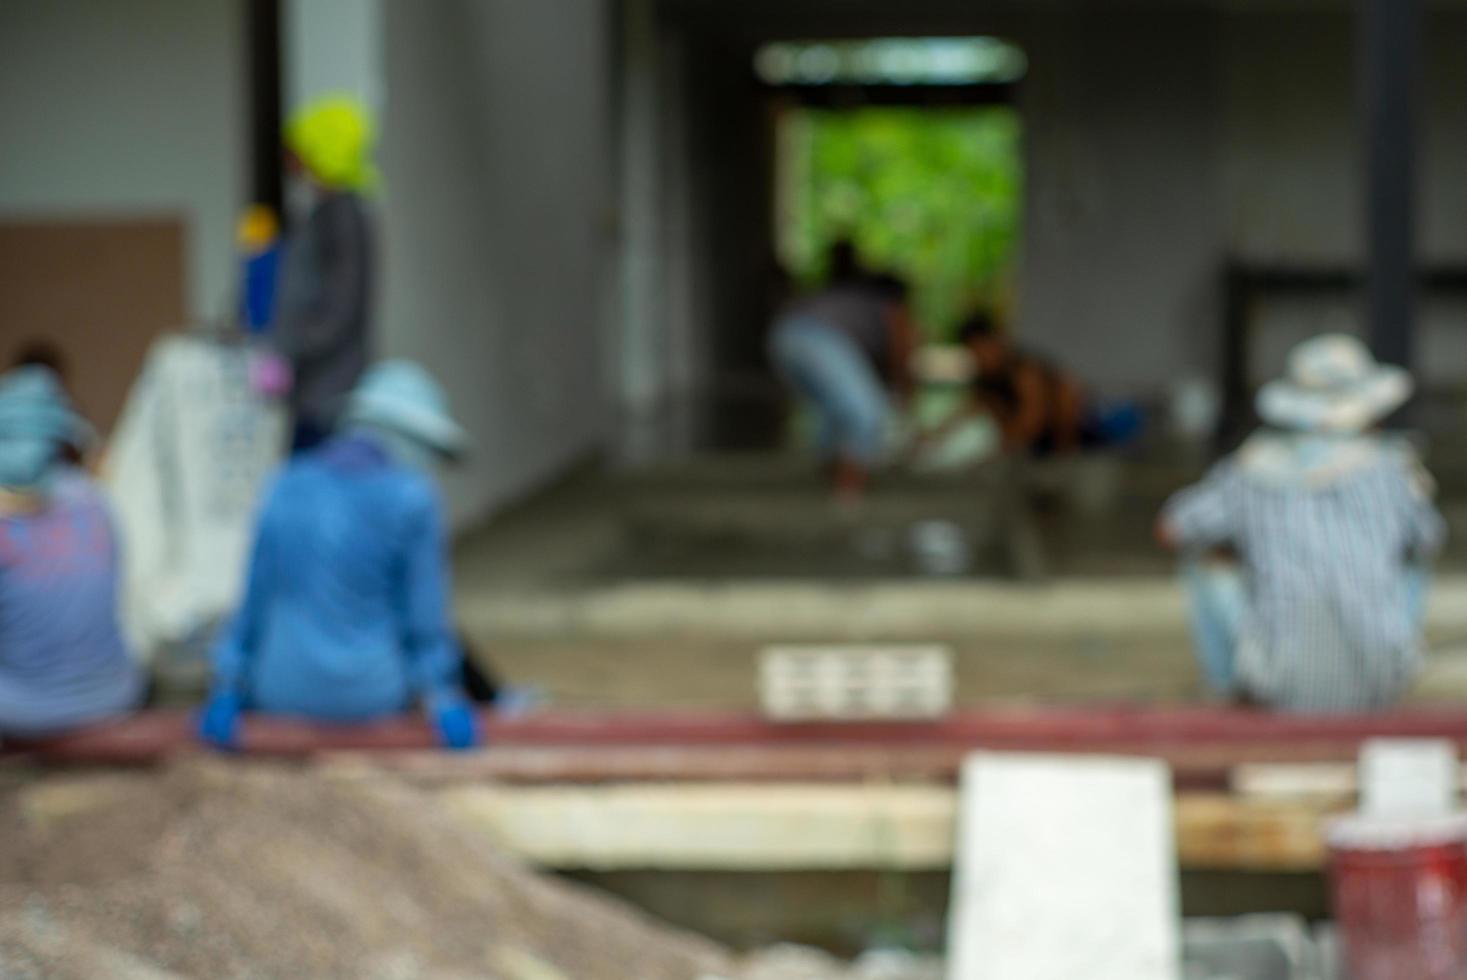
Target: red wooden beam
[
  {"x": 1050, "y": 726},
  {"x": 1194, "y": 739},
  {"x": 1192, "y": 769}
]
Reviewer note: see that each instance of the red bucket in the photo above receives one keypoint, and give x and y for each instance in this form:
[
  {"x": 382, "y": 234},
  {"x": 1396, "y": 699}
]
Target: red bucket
[{"x": 1400, "y": 896}]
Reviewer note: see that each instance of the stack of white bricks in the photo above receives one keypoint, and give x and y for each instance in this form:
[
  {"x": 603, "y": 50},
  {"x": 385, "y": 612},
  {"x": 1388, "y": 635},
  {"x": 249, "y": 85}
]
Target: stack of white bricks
[{"x": 856, "y": 682}]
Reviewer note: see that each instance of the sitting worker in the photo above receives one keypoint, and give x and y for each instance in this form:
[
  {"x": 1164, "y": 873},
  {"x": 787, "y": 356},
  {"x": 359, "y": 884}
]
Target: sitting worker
[
  {"x": 847, "y": 351},
  {"x": 1328, "y": 526},
  {"x": 63, "y": 661},
  {"x": 345, "y": 616},
  {"x": 1039, "y": 408}
]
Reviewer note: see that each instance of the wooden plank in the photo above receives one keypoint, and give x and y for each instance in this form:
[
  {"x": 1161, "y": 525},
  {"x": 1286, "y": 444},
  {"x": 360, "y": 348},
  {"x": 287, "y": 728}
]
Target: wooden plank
[
  {"x": 608, "y": 764},
  {"x": 1286, "y": 781},
  {"x": 1222, "y": 833},
  {"x": 780, "y": 827},
  {"x": 735, "y": 827},
  {"x": 100, "y": 290},
  {"x": 1193, "y": 768},
  {"x": 1196, "y": 741},
  {"x": 1296, "y": 781}
]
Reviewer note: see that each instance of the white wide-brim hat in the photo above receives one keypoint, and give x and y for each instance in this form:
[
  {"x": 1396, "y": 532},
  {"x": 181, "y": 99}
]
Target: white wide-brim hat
[
  {"x": 403, "y": 397},
  {"x": 1334, "y": 385}
]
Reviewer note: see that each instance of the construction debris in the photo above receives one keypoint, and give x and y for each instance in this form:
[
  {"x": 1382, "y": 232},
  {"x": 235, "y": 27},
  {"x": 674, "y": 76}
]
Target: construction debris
[
  {"x": 223, "y": 869},
  {"x": 218, "y": 870}
]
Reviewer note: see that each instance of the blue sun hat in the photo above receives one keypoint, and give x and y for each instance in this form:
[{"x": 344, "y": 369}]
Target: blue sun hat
[
  {"x": 403, "y": 398},
  {"x": 1334, "y": 387},
  {"x": 36, "y": 421}
]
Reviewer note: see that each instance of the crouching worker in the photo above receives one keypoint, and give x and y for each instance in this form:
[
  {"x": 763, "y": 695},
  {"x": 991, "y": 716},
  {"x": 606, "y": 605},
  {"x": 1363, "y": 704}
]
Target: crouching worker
[
  {"x": 345, "y": 616},
  {"x": 1040, "y": 409},
  {"x": 1330, "y": 527},
  {"x": 847, "y": 351},
  {"x": 63, "y": 662}
]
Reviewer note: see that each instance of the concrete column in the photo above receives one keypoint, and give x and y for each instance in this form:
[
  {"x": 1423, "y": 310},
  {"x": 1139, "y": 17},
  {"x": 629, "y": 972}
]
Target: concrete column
[
  {"x": 1389, "y": 39},
  {"x": 637, "y": 350}
]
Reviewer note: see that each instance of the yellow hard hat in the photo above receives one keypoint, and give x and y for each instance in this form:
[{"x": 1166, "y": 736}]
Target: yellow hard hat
[
  {"x": 258, "y": 228},
  {"x": 333, "y": 138}
]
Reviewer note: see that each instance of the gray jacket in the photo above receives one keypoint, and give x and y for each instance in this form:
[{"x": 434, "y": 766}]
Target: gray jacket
[{"x": 323, "y": 326}]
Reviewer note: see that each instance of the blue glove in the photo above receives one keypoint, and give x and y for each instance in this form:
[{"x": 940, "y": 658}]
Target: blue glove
[
  {"x": 218, "y": 723},
  {"x": 457, "y": 725}
]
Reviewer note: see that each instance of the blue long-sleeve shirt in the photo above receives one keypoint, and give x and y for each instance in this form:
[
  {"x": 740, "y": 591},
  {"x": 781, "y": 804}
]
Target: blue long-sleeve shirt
[
  {"x": 346, "y": 611},
  {"x": 63, "y": 661}
]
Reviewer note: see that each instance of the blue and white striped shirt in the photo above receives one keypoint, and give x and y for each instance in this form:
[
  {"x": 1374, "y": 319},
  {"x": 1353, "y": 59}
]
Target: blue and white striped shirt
[{"x": 1327, "y": 541}]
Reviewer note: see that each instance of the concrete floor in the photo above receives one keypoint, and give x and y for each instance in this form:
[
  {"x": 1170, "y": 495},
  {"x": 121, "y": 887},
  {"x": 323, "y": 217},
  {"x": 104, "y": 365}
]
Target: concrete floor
[
  {"x": 768, "y": 517},
  {"x": 659, "y": 588}
]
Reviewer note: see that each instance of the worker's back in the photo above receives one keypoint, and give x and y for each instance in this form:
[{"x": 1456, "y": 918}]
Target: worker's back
[
  {"x": 1334, "y": 619},
  {"x": 62, "y": 657},
  {"x": 340, "y": 553},
  {"x": 856, "y": 310}
]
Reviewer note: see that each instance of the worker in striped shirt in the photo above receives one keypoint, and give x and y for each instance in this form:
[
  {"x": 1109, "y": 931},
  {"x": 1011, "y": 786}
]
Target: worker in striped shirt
[{"x": 1328, "y": 526}]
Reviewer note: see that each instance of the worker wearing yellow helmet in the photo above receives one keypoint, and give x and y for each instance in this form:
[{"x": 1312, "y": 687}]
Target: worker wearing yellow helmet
[{"x": 322, "y": 324}]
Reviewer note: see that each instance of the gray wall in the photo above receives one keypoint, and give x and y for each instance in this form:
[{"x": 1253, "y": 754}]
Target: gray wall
[
  {"x": 111, "y": 108},
  {"x": 1291, "y": 155},
  {"x": 332, "y": 46},
  {"x": 1162, "y": 144},
  {"x": 1123, "y": 223},
  {"x": 496, "y": 157},
  {"x": 1293, "y": 179}
]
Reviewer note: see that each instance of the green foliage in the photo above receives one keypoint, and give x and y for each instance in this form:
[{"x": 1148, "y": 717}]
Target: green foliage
[{"x": 934, "y": 195}]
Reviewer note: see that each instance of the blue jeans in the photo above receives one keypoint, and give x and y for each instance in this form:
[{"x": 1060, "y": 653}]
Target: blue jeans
[
  {"x": 1218, "y": 598},
  {"x": 1218, "y": 601},
  {"x": 826, "y": 367}
]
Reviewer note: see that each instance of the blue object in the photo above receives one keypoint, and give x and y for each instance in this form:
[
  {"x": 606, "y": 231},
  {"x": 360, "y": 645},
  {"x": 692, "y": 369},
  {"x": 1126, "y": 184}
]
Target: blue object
[
  {"x": 457, "y": 726},
  {"x": 261, "y": 272},
  {"x": 218, "y": 723},
  {"x": 1218, "y": 605},
  {"x": 403, "y": 398},
  {"x": 63, "y": 661},
  {"x": 345, "y": 615},
  {"x": 1120, "y": 423}
]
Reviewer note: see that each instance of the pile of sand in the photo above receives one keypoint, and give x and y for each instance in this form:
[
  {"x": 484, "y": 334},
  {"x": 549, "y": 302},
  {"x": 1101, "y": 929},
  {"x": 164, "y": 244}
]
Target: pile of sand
[{"x": 215, "y": 869}]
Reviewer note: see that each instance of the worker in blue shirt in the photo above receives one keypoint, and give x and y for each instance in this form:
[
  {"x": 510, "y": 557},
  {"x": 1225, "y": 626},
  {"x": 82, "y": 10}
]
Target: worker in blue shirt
[
  {"x": 63, "y": 661},
  {"x": 345, "y": 616}
]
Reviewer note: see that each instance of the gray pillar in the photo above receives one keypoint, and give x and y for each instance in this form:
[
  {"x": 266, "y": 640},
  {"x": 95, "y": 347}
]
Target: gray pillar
[
  {"x": 1389, "y": 43},
  {"x": 638, "y": 350}
]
